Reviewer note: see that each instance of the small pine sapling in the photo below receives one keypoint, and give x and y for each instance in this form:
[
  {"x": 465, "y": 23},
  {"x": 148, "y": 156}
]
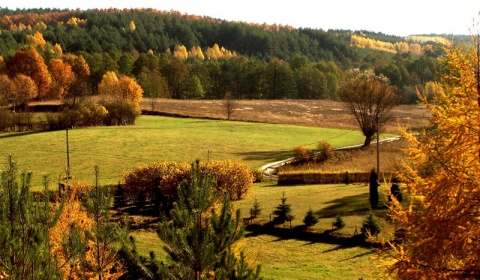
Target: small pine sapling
[
  {"x": 282, "y": 213},
  {"x": 371, "y": 226},
  {"x": 310, "y": 219},
  {"x": 338, "y": 223},
  {"x": 255, "y": 211}
]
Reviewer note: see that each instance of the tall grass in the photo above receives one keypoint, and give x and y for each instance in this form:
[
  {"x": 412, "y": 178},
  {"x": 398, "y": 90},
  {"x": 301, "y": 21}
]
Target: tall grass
[{"x": 120, "y": 149}]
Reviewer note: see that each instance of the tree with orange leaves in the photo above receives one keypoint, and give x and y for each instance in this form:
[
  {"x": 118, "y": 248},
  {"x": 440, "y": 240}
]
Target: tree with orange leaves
[
  {"x": 440, "y": 222},
  {"x": 82, "y": 71},
  {"x": 62, "y": 78},
  {"x": 7, "y": 90},
  {"x": 26, "y": 89},
  {"x": 123, "y": 88},
  {"x": 30, "y": 63}
]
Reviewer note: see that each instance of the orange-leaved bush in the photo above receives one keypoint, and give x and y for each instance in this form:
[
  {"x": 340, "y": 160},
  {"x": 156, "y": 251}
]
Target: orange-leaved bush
[
  {"x": 236, "y": 179},
  {"x": 158, "y": 181}
]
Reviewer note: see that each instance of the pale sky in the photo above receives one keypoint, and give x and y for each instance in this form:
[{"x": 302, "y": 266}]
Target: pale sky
[{"x": 403, "y": 17}]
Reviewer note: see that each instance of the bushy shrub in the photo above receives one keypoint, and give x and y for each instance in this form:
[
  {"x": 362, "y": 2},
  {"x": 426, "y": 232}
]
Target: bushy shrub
[
  {"x": 154, "y": 180},
  {"x": 53, "y": 120},
  {"x": 257, "y": 175},
  {"x": 157, "y": 182},
  {"x": 301, "y": 152},
  {"x": 6, "y": 120},
  {"x": 24, "y": 121},
  {"x": 236, "y": 179},
  {"x": 92, "y": 113},
  {"x": 69, "y": 118},
  {"x": 325, "y": 151},
  {"x": 120, "y": 112}
]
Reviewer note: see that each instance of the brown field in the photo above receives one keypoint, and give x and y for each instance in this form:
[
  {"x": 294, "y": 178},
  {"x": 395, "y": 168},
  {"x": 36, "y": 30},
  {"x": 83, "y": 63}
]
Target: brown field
[{"x": 321, "y": 113}]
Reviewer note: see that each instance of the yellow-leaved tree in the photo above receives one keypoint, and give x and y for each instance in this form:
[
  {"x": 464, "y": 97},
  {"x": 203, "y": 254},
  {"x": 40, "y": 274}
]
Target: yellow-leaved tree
[{"x": 440, "y": 223}]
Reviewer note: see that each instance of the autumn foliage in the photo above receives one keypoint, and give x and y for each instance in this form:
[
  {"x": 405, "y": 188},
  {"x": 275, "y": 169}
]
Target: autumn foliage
[
  {"x": 162, "y": 178},
  {"x": 30, "y": 63},
  {"x": 440, "y": 221}
]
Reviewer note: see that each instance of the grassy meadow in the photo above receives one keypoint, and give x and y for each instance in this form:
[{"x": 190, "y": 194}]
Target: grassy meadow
[
  {"x": 284, "y": 256},
  {"x": 119, "y": 149}
]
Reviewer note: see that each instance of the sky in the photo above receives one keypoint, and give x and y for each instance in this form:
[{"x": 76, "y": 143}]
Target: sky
[{"x": 401, "y": 18}]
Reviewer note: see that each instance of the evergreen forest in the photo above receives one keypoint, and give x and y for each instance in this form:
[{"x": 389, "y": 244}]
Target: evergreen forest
[{"x": 174, "y": 55}]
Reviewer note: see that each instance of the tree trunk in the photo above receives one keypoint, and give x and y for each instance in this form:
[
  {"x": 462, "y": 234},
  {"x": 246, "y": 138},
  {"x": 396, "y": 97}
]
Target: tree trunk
[{"x": 368, "y": 140}]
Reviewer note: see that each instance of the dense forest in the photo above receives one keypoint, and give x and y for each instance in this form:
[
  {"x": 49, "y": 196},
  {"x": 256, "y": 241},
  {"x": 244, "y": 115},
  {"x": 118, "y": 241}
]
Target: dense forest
[{"x": 176, "y": 55}]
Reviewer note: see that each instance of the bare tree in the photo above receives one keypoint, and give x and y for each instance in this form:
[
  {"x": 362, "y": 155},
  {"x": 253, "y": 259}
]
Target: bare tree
[
  {"x": 230, "y": 104},
  {"x": 369, "y": 98}
]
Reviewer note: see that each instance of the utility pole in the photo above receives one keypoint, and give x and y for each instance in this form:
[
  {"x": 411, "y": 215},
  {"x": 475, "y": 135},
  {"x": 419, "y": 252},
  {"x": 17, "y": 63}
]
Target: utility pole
[
  {"x": 378, "y": 148},
  {"x": 68, "y": 155}
]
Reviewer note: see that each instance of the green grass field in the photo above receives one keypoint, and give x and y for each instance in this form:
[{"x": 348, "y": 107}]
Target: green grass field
[
  {"x": 117, "y": 150},
  {"x": 284, "y": 257}
]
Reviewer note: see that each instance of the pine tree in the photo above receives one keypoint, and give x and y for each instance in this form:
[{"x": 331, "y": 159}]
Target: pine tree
[
  {"x": 282, "y": 212},
  {"x": 201, "y": 233},
  {"x": 104, "y": 234},
  {"x": 338, "y": 223},
  {"x": 255, "y": 210},
  {"x": 310, "y": 219},
  {"x": 24, "y": 228},
  {"x": 370, "y": 225}
]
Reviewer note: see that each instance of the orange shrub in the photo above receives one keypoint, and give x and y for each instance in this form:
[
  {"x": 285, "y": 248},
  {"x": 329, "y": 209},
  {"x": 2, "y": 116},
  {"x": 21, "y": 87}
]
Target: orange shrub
[
  {"x": 234, "y": 178},
  {"x": 148, "y": 180},
  {"x": 158, "y": 182}
]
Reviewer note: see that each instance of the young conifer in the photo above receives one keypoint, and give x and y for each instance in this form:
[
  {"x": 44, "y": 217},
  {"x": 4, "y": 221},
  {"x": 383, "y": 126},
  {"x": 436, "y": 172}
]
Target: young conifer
[
  {"x": 201, "y": 234},
  {"x": 24, "y": 227}
]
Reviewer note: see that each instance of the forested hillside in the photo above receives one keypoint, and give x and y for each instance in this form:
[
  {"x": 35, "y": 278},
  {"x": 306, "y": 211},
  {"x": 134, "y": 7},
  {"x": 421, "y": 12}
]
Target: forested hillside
[{"x": 175, "y": 55}]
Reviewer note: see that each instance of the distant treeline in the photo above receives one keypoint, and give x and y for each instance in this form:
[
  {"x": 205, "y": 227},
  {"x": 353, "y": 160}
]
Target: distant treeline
[{"x": 266, "y": 61}]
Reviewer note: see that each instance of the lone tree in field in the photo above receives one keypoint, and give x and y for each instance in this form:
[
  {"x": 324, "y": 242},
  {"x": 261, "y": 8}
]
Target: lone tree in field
[
  {"x": 442, "y": 179},
  {"x": 229, "y": 103},
  {"x": 369, "y": 98}
]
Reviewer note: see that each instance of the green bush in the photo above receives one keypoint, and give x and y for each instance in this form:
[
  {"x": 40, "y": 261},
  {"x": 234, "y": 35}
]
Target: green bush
[
  {"x": 92, "y": 113},
  {"x": 24, "y": 121},
  {"x": 120, "y": 112},
  {"x": 6, "y": 120}
]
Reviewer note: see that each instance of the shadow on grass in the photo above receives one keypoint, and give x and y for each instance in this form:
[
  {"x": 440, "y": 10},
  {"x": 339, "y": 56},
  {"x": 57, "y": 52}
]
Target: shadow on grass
[
  {"x": 299, "y": 233},
  {"x": 266, "y": 155},
  {"x": 22, "y": 133},
  {"x": 349, "y": 206}
]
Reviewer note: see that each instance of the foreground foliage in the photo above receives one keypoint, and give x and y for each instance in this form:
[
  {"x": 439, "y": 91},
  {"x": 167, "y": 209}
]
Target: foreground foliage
[{"x": 440, "y": 222}]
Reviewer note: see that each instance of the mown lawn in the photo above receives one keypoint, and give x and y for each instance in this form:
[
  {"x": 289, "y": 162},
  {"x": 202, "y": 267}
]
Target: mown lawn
[{"x": 117, "y": 150}]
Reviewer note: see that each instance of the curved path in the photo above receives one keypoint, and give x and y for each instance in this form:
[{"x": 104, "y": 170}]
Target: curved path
[{"x": 270, "y": 169}]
